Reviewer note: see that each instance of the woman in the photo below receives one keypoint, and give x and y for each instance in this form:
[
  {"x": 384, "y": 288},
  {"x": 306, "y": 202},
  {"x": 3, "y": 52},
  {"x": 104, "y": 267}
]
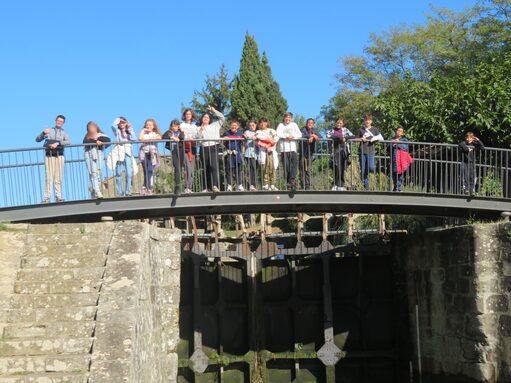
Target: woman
[
  {"x": 401, "y": 160},
  {"x": 209, "y": 130},
  {"x": 121, "y": 158},
  {"x": 175, "y": 145},
  {"x": 94, "y": 145},
  {"x": 148, "y": 154},
  {"x": 340, "y": 150},
  {"x": 189, "y": 130},
  {"x": 251, "y": 154}
]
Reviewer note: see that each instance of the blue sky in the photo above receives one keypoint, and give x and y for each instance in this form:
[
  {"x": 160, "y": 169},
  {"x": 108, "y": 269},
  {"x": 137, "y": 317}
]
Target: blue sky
[{"x": 95, "y": 60}]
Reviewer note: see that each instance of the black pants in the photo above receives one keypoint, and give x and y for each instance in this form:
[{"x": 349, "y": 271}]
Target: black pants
[
  {"x": 209, "y": 158},
  {"x": 252, "y": 171},
  {"x": 468, "y": 170},
  {"x": 306, "y": 172},
  {"x": 339, "y": 173},
  {"x": 177, "y": 162},
  {"x": 290, "y": 164}
]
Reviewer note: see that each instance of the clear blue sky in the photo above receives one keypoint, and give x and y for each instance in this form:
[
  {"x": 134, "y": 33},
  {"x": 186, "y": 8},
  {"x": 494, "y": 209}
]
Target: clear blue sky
[{"x": 96, "y": 60}]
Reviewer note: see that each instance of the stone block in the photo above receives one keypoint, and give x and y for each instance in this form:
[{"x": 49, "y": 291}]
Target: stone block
[
  {"x": 79, "y": 329},
  {"x": 45, "y": 346},
  {"x": 63, "y": 262},
  {"x": 480, "y": 372},
  {"x": 53, "y": 300},
  {"x": 497, "y": 303},
  {"x": 505, "y": 326},
  {"x": 111, "y": 371}
]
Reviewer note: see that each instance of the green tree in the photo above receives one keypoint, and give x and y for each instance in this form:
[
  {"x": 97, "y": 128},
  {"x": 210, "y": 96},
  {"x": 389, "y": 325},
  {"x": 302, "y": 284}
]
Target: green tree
[
  {"x": 438, "y": 80},
  {"x": 255, "y": 93},
  {"x": 216, "y": 92}
]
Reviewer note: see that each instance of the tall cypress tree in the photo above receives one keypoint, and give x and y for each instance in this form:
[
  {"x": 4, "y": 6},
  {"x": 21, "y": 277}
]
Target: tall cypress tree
[
  {"x": 277, "y": 105},
  {"x": 255, "y": 93}
]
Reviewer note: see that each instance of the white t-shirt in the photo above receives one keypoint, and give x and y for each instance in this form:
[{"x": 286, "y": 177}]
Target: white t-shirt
[{"x": 285, "y": 131}]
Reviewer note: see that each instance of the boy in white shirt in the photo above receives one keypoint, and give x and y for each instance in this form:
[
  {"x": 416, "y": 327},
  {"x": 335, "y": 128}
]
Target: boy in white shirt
[{"x": 288, "y": 132}]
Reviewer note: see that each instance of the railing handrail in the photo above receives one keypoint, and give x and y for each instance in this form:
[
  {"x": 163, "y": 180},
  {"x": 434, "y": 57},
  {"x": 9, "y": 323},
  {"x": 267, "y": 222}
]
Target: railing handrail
[{"x": 220, "y": 140}]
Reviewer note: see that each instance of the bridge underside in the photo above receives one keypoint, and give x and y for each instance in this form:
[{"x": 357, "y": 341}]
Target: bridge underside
[{"x": 139, "y": 207}]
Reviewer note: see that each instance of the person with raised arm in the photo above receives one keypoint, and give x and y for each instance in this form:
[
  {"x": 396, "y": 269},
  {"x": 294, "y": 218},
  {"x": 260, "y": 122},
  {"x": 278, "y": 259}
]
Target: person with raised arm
[
  {"x": 95, "y": 143},
  {"x": 121, "y": 159},
  {"x": 401, "y": 159},
  {"x": 175, "y": 145},
  {"x": 148, "y": 153},
  {"x": 251, "y": 152},
  {"x": 189, "y": 130},
  {"x": 307, "y": 150},
  {"x": 209, "y": 131},
  {"x": 267, "y": 140},
  {"x": 54, "y": 141},
  {"x": 288, "y": 133},
  {"x": 470, "y": 147},
  {"x": 339, "y": 135},
  {"x": 368, "y": 135}
]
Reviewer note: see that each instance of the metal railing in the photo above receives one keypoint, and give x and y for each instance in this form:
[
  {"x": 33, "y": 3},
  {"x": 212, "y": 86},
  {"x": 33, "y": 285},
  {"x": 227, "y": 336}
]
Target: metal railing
[{"x": 223, "y": 165}]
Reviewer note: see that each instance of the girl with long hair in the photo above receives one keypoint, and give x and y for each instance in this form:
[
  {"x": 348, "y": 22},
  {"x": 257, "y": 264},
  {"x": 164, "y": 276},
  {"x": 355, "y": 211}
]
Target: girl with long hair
[
  {"x": 148, "y": 154},
  {"x": 94, "y": 141}
]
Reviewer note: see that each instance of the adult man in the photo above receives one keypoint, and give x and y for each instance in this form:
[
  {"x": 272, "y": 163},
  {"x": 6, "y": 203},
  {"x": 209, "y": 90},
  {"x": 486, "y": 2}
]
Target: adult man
[
  {"x": 307, "y": 150},
  {"x": 54, "y": 141},
  {"x": 288, "y": 132}
]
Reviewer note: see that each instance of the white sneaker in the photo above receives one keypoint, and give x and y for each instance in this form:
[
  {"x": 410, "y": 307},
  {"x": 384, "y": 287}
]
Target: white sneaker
[
  {"x": 272, "y": 187},
  {"x": 253, "y": 188},
  {"x": 266, "y": 187},
  {"x": 99, "y": 195},
  {"x": 187, "y": 190},
  {"x": 205, "y": 190},
  {"x": 215, "y": 189},
  {"x": 241, "y": 188},
  {"x": 229, "y": 188},
  {"x": 342, "y": 188},
  {"x": 334, "y": 188}
]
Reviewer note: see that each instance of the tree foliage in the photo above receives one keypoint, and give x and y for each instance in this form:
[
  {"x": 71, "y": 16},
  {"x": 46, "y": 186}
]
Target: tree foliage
[
  {"x": 216, "y": 92},
  {"x": 255, "y": 93},
  {"x": 438, "y": 80}
]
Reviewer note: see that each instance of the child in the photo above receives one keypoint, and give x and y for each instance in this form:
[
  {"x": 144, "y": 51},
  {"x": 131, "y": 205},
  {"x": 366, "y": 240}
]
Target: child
[
  {"x": 175, "y": 145},
  {"x": 148, "y": 153},
  {"x": 234, "y": 158},
  {"x": 469, "y": 149},
  {"x": 251, "y": 154},
  {"x": 288, "y": 132},
  {"x": 93, "y": 152},
  {"x": 268, "y": 158}
]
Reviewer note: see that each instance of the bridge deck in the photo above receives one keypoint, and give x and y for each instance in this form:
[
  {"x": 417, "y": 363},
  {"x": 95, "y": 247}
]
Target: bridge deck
[{"x": 259, "y": 202}]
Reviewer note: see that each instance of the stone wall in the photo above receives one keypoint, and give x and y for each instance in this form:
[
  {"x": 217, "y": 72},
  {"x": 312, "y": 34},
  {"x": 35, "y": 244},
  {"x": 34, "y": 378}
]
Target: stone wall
[
  {"x": 137, "y": 321},
  {"x": 460, "y": 281}
]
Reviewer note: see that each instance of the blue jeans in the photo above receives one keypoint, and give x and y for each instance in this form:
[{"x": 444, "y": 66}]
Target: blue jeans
[
  {"x": 397, "y": 179},
  {"x": 366, "y": 167},
  {"x": 94, "y": 169},
  {"x": 126, "y": 166}
]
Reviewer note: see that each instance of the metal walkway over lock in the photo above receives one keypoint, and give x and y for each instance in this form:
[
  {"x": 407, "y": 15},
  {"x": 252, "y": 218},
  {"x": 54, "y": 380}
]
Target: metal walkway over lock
[{"x": 433, "y": 185}]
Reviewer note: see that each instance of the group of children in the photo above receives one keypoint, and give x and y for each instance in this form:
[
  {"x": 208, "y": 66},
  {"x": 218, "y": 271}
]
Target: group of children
[{"x": 258, "y": 151}]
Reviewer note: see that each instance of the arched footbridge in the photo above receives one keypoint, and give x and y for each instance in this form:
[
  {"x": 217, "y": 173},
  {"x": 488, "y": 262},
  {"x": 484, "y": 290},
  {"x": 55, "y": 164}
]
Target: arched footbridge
[{"x": 435, "y": 183}]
